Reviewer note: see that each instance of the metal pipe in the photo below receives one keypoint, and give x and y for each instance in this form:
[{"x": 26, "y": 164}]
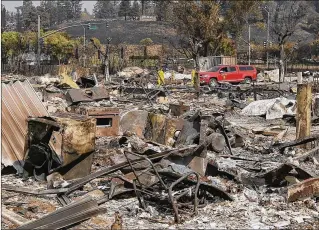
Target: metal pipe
[
  {"x": 39, "y": 45},
  {"x": 268, "y": 22},
  {"x": 249, "y": 47},
  {"x": 152, "y": 165},
  {"x": 84, "y": 44},
  {"x": 174, "y": 201},
  {"x": 107, "y": 69}
]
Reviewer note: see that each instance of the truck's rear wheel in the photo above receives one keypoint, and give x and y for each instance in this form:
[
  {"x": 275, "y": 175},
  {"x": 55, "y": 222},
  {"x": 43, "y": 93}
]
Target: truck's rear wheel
[
  {"x": 247, "y": 80},
  {"x": 213, "y": 82}
]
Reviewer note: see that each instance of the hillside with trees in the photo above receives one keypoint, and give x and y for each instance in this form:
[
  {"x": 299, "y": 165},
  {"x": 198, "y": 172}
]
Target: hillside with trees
[
  {"x": 194, "y": 28},
  {"x": 59, "y": 12}
]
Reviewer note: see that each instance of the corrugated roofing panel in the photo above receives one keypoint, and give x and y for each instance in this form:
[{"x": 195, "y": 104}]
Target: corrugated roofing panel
[{"x": 19, "y": 101}]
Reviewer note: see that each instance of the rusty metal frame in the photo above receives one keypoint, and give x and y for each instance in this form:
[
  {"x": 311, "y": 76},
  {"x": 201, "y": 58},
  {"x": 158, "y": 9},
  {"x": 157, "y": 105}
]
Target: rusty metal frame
[
  {"x": 112, "y": 189},
  {"x": 174, "y": 201},
  {"x": 149, "y": 161},
  {"x": 223, "y": 132},
  {"x": 169, "y": 190},
  {"x": 138, "y": 195}
]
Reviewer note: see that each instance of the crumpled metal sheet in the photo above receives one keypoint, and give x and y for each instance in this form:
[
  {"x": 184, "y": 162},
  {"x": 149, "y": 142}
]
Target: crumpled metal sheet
[
  {"x": 151, "y": 126},
  {"x": 78, "y": 138},
  {"x": 19, "y": 101},
  {"x": 162, "y": 129},
  {"x": 77, "y": 133},
  {"x": 67, "y": 80},
  {"x": 272, "y": 108},
  {"x": 75, "y": 96},
  {"x": 134, "y": 121}
]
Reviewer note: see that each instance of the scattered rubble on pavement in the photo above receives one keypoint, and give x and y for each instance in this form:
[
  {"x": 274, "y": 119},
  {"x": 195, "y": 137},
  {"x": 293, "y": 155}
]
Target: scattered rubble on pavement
[{"x": 129, "y": 154}]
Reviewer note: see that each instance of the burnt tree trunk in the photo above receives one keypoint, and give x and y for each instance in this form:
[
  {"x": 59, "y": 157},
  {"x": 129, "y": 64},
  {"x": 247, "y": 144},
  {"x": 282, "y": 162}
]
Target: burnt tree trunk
[{"x": 282, "y": 64}]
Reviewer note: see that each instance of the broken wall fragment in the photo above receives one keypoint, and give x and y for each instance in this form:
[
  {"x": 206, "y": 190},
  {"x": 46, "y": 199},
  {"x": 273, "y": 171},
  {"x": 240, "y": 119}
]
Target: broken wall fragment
[
  {"x": 107, "y": 119},
  {"x": 78, "y": 141}
]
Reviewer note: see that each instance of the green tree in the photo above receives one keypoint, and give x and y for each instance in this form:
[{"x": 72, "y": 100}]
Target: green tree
[
  {"x": 62, "y": 11},
  {"x": 10, "y": 21},
  {"x": 315, "y": 49},
  {"x": 29, "y": 16},
  {"x": 135, "y": 10},
  {"x": 48, "y": 13},
  {"x": 91, "y": 51},
  {"x": 61, "y": 45},
  {"x": 10, "y": 44},
  {"x": 124, "y": 9},
  {"x": 85, "y": 15},
  {"x": 146, "y": 4},
  {"x": 284, "y": 24},
  {"x": 44, "y": 15},
  {"x": 205, "y": 25},
  {"x": 104, "y": 9},
  {"x": 163, "y": 10},
  {"x": 239, "y": 13},
  {"x": 68, "y": 10},
  {"x": 3, "y": 18},
  {"x": 200, "y": 25},
  {"x": 19, "y": 19},
  {"x": 76, "y": 9},
  {"x": 29, "y": 41},
  {"x": 146, "y": 42},
  {"x": 72, "y": 9},
  {"x": 143, "y": 3}
]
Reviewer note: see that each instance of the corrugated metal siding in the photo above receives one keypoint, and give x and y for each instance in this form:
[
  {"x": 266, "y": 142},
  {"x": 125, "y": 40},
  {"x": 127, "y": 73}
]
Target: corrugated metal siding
[{"x": 19, "y": 101}]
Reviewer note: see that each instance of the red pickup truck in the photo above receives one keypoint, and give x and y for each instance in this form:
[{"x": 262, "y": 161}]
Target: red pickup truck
[{"x": 229, "y": 73}]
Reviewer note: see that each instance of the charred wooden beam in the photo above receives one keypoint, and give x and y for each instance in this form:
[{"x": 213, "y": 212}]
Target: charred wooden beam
[
  {"x": 303, "y": 116},
  {"x": 281, "y": 147},
  {"x": 306, "y": 188}
]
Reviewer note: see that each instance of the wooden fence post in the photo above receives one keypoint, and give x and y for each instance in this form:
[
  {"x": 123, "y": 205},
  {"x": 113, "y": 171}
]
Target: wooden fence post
[{"x": 303, "y": 116}]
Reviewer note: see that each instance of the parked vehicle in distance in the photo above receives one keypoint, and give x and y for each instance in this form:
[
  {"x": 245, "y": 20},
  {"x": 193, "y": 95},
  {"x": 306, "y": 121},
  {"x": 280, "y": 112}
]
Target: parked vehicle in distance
[{"x": 228, "y": 73}]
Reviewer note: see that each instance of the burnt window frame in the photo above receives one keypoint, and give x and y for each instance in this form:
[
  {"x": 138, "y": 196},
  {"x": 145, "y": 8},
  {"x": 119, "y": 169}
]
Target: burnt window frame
[{"x": 104, "y": 125}]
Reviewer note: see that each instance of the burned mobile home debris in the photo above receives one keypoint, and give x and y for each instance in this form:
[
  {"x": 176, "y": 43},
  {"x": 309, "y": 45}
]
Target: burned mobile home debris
[{"x": 130, "y": 154}]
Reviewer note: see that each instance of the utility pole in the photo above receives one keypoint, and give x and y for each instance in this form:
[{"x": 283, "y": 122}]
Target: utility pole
[
  {"x": 268, "y": 22},
  {"x": 39, "y": 45},
  {"x": 249, "y": 44},
  {"x": 84, "y": 48},
  {"x": 106, "y": 58},
  {"x": 106, "y": 61}
]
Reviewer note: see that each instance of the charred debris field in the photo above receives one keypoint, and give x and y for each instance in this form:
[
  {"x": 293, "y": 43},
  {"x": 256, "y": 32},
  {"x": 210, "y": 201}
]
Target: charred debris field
[{"x": 128, "y": 154}]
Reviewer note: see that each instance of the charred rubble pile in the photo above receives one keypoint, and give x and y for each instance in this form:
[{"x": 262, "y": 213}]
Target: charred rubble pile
[{"x": 130, "y": 156}]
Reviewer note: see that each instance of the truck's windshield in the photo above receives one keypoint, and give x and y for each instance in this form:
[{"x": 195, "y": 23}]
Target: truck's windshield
[{"x": 214, "y": 69}]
